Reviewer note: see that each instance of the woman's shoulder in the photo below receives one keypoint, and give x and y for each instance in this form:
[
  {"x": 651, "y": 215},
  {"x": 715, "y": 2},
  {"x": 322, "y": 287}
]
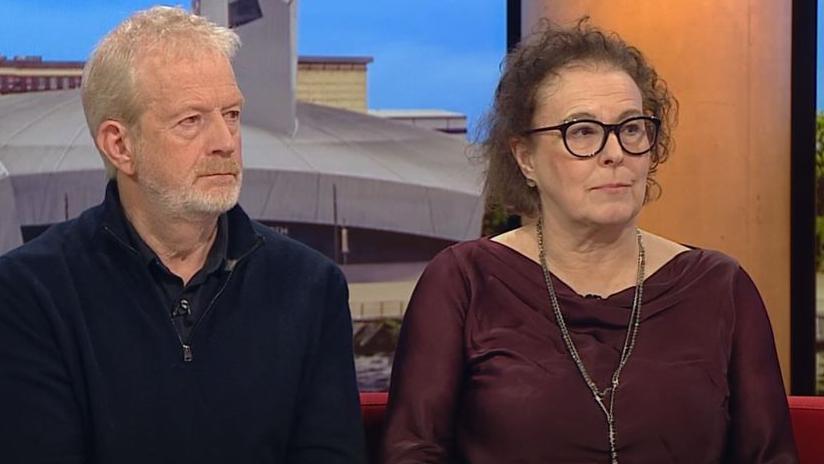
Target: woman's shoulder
[
  {"x": 685, "y": 268},
  {"x": 466, "y": 250},
  {"x": 459, "y": 257},
  {"x": 661, "y": 251},
  {"x": 476, "y": 258}
]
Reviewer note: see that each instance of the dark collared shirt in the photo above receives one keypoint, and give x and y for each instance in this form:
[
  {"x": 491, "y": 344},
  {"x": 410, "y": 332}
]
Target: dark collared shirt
[{"x": 186, "y": 303}]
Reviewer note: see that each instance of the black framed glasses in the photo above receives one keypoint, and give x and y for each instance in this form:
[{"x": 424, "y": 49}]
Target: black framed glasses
[{"x": 586, "y": 138}]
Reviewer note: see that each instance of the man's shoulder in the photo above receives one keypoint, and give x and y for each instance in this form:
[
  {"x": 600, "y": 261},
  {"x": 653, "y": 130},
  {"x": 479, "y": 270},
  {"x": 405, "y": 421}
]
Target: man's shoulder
[
  {"x": 46, "y": 255},
  {"x": 50, "y": 244},
  {"x": 289, "y": 252}
]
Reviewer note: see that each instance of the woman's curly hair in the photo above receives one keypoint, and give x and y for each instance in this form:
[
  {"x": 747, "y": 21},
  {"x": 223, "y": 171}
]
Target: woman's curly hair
[{"x": 545, "y": 54}]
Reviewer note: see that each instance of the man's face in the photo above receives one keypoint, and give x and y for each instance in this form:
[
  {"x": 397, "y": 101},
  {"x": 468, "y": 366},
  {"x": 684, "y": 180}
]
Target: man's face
[{"x": 188, "y": 153}]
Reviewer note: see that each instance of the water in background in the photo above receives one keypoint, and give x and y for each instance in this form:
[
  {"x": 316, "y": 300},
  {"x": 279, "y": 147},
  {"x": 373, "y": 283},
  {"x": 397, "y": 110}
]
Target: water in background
[{"x": 374, "y": 345}]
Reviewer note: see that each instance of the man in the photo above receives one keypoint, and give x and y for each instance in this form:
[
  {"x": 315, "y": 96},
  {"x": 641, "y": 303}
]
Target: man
[{"x": 164, "y": 325}]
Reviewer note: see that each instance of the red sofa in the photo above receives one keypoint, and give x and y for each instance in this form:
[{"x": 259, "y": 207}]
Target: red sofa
[
  {"x": 807, "y": 414},
  {"x": 808, "y": 425},
  {"x": 373, "y": 407}
]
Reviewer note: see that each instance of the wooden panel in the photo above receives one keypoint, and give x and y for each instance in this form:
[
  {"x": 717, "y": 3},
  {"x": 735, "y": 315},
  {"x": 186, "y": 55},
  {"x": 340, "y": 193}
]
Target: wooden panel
[{"x": 727, "y": 185}]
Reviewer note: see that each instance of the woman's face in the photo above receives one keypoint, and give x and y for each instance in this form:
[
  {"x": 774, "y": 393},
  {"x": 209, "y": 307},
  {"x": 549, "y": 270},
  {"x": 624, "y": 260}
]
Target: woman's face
[{"x": 604, "y": 190}]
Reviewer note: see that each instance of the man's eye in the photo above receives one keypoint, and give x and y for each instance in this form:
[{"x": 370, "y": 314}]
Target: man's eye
[
  {"x": 233, "y": 115},
  {"x": 191, "y": 120}
]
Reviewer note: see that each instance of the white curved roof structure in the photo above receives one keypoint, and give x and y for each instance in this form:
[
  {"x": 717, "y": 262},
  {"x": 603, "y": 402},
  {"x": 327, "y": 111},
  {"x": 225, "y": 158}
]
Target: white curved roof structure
[
  {"x": 9, "y": 228},
  {"x": 386, "y": 175}
]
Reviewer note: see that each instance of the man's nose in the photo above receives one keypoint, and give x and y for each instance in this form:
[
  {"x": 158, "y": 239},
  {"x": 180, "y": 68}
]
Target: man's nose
[{"x": 222, "y": 136}]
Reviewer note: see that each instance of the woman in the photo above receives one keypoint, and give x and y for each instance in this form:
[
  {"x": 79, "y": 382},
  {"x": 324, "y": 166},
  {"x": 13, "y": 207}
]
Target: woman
[{"x": 578, "y": 337}]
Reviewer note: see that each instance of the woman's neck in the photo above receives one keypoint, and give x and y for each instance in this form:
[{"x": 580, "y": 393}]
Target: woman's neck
[{"x": 599, "y": 261}]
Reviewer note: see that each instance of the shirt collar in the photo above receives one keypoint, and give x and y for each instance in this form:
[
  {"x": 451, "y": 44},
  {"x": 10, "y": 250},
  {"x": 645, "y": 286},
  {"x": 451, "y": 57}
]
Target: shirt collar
[
  {"x": 241, "y": 236},
  {"x": 214, "y": 260}
]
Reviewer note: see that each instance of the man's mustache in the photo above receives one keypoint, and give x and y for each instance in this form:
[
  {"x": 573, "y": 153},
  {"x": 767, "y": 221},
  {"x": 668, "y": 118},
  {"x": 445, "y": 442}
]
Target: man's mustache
[{"x": 218, "y": 166}]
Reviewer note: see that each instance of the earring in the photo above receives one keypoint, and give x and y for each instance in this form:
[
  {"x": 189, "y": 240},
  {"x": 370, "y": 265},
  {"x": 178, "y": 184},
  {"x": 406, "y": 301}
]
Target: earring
[{"x": 530, "y": 183}]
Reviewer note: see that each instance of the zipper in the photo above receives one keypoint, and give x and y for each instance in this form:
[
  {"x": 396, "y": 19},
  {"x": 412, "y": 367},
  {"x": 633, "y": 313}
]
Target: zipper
[
  {"x": 230, "y": 264},
  {"x": 187, "y": 352},
  {"x": 187, "y": 349},
  {"x": 120, "y": 241}
]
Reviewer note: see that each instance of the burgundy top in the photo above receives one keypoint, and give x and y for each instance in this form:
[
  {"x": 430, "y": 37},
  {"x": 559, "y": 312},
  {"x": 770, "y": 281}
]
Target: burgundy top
[{"x": 481, "y": 373}]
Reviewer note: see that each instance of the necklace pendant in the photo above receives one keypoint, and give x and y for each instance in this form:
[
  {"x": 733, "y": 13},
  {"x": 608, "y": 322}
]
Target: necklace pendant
[{"x": 629, "y": 340}]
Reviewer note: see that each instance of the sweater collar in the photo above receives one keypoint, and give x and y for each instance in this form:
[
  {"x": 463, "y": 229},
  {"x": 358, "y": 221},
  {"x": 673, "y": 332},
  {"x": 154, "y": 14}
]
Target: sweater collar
[{"x": 242, "y": 237}]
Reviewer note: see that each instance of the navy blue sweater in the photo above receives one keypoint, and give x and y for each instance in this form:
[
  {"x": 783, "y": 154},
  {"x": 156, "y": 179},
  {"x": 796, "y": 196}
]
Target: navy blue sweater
[{"x": 92, "y": 369}]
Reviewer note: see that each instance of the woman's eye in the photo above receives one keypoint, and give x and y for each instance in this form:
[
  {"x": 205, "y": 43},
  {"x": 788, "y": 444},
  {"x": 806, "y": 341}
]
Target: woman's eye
[
  {"x": 631, "y": 129},
  {"x": 581, "y": 131}
]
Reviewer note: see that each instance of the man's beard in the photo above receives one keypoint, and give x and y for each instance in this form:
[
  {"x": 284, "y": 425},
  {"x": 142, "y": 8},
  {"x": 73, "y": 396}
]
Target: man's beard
[{"x": 187, "y": 199}]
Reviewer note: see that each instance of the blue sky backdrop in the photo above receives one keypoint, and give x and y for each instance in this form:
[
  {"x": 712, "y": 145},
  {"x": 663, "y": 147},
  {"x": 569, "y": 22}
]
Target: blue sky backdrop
[{"x": 442, "y": 54}]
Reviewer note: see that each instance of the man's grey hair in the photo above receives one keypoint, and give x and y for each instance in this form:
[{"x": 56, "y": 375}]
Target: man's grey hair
[{"x": 110, "y": 88}]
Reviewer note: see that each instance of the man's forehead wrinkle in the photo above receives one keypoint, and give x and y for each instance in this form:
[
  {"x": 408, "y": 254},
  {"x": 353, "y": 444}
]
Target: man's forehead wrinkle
[{"x": 163, "y": 84}]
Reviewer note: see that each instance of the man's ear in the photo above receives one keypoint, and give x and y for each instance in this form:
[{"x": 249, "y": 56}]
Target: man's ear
[
  {"x": 520, "y": 150},
  {"x": 117, "y": 143}
]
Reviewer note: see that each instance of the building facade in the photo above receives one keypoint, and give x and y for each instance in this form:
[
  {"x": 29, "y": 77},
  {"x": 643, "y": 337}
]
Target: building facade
[
  {"x": 32, "y": 74},
  {"x": 339, "y": 82},
  {"x": 335, "y": 81}
]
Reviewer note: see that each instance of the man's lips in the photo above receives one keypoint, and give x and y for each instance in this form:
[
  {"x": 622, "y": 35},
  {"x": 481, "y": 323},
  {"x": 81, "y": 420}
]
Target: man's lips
[
  {"x": 224, "y": 178},
  {"x": 212, "y": 174}
]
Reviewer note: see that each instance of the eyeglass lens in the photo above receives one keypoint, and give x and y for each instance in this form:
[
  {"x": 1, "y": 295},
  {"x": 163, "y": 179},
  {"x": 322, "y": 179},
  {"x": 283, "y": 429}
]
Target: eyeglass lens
[{"x": 585, "y": 138}]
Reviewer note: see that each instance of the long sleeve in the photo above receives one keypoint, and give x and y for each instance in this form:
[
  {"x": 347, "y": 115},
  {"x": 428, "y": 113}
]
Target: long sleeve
[
  {"x": 41, "y": 419},
  {"x": 328, "y": 427},
  {"x": 761, "y": 431},
  {"x": 428, "y": 368}
]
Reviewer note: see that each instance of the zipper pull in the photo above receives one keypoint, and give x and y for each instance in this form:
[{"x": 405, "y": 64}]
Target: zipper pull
[{"x": 187, "y": 353}]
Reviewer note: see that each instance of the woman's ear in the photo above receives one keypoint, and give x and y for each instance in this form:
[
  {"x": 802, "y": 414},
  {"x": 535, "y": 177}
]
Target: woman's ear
[
  {"x": 117, "y": 144},
  {"x": 520, "y": 150}
]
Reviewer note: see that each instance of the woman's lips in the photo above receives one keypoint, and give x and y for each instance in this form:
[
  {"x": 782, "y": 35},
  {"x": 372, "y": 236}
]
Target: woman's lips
[{"x": 613, "y": 185}]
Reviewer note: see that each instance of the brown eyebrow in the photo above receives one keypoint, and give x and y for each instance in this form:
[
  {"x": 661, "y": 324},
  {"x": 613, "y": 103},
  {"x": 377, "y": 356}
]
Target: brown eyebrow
[{"x": 621, "y": 117}]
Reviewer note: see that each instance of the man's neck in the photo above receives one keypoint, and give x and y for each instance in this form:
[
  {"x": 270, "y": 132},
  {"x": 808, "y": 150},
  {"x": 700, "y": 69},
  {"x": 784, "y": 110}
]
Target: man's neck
[{"x": 182, "y": 243}]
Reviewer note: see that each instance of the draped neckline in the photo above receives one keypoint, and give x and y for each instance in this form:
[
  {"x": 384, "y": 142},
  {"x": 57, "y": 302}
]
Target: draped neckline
[{"x": 662, "y": 288}]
